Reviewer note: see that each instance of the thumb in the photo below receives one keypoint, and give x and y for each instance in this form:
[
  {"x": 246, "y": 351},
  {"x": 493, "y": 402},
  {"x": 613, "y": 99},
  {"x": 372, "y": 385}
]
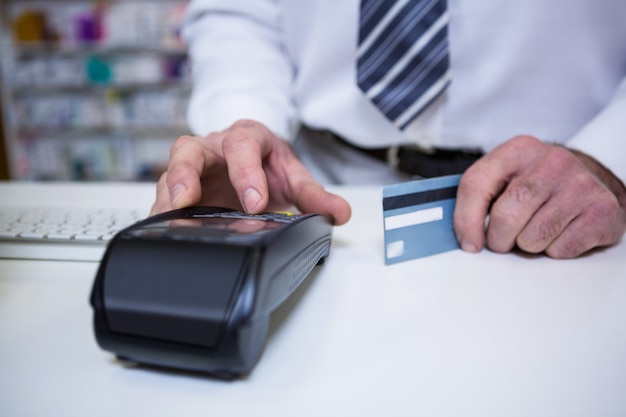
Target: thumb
[{"x": 313, "y": 198}]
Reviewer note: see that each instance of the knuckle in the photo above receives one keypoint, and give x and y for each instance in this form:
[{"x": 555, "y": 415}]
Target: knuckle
[
  {"x": 511, "y": 207},
  {"x": 246, "y": 173},
  {"x": 503, "y": 218},
  {"x": 561, "y": 162},
  {"x": 605, "y": 207},
  {"x": 521, "y": 192},
  {"x": 245, "y": 124},
  {"x": 234, "y": 142},
  {"x": 546, "y": 233},
  {"x": 539, "y": 236},
  {"x": 524, "y": 141},
  {"x": 239, "y": 135},
  {"x": 499, "y": 215},
  {"x": 559, "y": 158},
  {"x": 585, "y": 183},
  {"x": 182, "y": 142},
  {"x": 242, "y": 131},
  {"x": 606, "y": 219},
  {"x": 509, "y": 217},
  {"x": 601, "y": 224}
]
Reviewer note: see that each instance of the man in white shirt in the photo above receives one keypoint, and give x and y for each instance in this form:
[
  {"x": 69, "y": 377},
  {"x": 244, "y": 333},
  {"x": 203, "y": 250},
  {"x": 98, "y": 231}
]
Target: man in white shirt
[{"x": 540, "y": 87}]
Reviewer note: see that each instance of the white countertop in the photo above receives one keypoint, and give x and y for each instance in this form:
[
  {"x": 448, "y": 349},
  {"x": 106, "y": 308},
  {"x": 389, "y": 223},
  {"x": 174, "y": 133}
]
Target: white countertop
[{"x": 454, "y": 334}]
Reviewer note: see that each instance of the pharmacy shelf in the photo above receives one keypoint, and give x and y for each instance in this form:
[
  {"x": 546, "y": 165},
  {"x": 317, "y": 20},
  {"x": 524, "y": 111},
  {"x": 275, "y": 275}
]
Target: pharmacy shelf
[
  {"x": 38, "y": 49},
  {"x": 172, "y": 86},
  {"x": 99, "y": 93},
  {"x": 83, "y": 133}
]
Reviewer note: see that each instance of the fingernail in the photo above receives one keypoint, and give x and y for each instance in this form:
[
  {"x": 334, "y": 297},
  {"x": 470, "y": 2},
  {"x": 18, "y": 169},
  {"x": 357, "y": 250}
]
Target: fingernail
[
  {"x": 466, "y": 246},
  {"x": 251, "y": 199},
  {"x": 179, "y": 189},
  {"x": 469, "y": 247}
]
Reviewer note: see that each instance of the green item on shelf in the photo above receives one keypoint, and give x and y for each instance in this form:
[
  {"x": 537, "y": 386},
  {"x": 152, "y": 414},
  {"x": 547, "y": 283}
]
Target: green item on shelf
[{"x": 98, "y": 70}]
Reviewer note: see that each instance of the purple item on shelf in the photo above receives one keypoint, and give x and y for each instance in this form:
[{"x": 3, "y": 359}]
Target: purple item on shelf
[
  {"x": 175, "y": 67},
  {"x": 88, "y": 27}
]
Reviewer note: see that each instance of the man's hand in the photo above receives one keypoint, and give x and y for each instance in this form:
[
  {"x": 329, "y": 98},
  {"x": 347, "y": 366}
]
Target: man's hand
[
  {"x": 540, "y": 198},
  {"x": 244, "y": 167}
]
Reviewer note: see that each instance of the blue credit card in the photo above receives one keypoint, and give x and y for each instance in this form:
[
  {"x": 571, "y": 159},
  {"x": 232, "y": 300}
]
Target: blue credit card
[{"x": 417, "y": 218}]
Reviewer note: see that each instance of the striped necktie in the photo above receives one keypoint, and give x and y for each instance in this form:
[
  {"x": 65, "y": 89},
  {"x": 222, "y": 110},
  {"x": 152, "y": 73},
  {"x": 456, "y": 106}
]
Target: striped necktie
[{"x": 403, "y": 62}]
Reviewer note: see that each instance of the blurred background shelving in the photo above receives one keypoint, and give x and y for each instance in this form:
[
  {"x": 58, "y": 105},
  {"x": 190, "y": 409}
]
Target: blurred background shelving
[{"x": 91, "y": 90}]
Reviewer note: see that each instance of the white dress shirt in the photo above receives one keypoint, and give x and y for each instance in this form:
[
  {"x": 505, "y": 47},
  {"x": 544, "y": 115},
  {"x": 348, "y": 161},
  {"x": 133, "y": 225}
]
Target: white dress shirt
[{"x": 553, "y": 69}]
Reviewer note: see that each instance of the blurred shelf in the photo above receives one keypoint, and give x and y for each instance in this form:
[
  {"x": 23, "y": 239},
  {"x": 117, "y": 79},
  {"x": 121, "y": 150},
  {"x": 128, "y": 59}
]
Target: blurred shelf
[
  {"x": 38, "y": 49},
  {"x": 73, "y": 132},
  {"x": 179, "y": 86},
  {"x": 92, "y": 89}
]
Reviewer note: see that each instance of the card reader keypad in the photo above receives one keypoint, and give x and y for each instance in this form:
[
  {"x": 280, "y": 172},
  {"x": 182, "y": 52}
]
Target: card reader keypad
[{"x": 282, "y": 217}]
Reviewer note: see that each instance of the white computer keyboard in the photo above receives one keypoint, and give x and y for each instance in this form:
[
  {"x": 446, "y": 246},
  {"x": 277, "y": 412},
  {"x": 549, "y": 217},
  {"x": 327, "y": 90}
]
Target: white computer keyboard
[{"x": 61, "y": 233}]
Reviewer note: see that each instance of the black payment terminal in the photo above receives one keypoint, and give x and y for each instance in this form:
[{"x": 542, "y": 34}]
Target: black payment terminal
[{"x": 193, "y": 288}]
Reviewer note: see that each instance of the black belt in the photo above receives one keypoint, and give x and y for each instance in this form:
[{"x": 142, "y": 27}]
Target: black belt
[{"x": 424, "y": 162}]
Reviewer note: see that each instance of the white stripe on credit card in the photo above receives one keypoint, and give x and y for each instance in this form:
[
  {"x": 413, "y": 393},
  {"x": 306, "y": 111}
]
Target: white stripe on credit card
[{"x": 414, "y": 218}]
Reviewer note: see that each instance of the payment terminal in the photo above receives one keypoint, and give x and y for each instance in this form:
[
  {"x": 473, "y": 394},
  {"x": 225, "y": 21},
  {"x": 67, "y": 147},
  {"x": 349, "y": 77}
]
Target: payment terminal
[{"x": 194, "y": 288}]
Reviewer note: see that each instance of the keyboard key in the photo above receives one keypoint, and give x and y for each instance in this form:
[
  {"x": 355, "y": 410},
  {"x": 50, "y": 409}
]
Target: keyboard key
[
  {"x": 32, "y": 235},
  {"x": 61, "y": 233}
]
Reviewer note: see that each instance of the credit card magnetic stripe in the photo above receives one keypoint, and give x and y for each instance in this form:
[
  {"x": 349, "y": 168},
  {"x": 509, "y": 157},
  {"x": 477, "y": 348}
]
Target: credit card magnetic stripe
[{"x": 423, "y": 197}]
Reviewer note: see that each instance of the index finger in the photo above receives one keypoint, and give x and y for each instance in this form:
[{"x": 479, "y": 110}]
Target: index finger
[
  {"x": 479, "y": 187},
  {"x": 188, "y": 159},
  {"x": 245, "y": 145},
  {"x": 475, "y": 193}
]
